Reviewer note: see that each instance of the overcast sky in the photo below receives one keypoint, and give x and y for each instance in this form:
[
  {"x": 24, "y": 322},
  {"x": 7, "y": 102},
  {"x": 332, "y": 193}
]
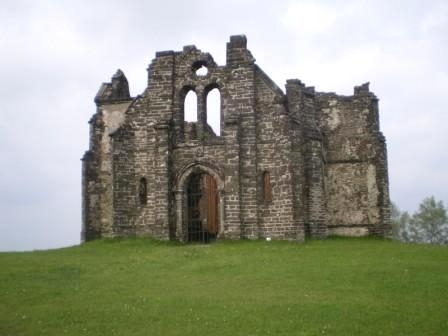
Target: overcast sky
[{"x": 55, "y": 54}]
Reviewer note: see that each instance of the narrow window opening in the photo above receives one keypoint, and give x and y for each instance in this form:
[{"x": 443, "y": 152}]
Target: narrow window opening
[
  {"x": 143, "y": 191},
  {"x": 191, "y": 107},
  {"x": 267, "y": 191},
  {"x": 214, "y": 111}
]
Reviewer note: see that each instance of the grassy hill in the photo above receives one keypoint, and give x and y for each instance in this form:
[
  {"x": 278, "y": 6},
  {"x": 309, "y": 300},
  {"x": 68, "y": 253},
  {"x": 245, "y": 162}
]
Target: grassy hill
[{"x": 144, "y": 287}]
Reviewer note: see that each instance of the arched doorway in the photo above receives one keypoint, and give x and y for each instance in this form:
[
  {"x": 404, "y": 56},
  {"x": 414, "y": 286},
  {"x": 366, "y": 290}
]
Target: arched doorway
[{"x": 202, "y": 208}]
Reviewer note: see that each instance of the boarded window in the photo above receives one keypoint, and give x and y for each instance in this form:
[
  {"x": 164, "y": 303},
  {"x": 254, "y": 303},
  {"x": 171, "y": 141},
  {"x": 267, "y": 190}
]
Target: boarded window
[
  {"x": 143, "y": 191},
  {"x": 267, "y": 192}
]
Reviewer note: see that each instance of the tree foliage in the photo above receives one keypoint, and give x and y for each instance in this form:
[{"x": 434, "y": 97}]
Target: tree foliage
[
  {"x": 400, "y": 222},
  {"x": 428, "y": 225}
]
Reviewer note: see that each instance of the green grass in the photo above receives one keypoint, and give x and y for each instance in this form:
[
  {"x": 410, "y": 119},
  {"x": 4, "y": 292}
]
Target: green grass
[{"x": 145, "y": 287}]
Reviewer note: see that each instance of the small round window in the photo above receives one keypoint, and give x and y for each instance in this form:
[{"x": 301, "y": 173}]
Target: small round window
[{"x": 201, "y": 71}]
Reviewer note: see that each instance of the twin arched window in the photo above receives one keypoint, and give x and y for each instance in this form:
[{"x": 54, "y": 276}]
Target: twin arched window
[{"x": 212, "y": 109}]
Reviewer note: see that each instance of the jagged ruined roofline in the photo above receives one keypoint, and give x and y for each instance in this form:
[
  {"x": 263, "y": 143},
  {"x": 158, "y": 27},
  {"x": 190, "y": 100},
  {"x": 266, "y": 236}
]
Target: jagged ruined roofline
[{"x": 117, "y": 90}]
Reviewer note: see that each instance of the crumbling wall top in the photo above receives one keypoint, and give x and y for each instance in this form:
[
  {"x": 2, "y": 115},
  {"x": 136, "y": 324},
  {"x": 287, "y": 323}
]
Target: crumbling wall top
[{"x": 115, "y": 91}]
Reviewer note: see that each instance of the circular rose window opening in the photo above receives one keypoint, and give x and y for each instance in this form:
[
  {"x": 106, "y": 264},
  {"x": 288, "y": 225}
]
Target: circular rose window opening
[{"x": 201, "y": 71}]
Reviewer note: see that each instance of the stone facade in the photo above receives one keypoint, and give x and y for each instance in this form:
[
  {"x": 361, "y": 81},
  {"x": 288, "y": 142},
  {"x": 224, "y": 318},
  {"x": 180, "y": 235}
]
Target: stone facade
[{"x": 286, "y": 166}]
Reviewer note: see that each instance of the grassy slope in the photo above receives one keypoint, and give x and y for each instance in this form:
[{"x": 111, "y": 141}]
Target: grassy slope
[{"x": 142, "y": 287}]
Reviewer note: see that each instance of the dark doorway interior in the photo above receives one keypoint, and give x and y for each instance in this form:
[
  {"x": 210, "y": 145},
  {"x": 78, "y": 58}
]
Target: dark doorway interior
[{"x": 202, "y": 208}]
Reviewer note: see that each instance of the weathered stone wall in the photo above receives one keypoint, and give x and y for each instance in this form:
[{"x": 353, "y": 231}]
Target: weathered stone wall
[
  {"x": 142, "y": 150},
  {"x": 308, "y": 150},
  {"x": 354, "y": 171},
  {"x": 112, "y": 101},
  {"x": 276, "y": 216},
  {"x": 286, "y": 166}
]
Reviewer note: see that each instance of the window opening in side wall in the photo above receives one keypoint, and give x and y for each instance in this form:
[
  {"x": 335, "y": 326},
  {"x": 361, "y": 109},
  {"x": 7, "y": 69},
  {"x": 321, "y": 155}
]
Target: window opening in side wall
[
  {"x": 143, "y": 191},
  {"x": 214, "y": 111},
  {"x": 267, "y": 190}
]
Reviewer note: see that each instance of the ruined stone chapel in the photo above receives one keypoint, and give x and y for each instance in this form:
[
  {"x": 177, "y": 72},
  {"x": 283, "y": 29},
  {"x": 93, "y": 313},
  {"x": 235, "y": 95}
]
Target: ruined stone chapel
[{"x": 281, "y": 165}]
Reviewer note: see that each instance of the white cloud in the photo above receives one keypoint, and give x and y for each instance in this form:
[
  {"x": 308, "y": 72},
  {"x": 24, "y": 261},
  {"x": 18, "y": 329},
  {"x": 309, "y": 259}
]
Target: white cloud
[
  {"x": 311, "y": 17},
  {"x": 435, "y": 19}
]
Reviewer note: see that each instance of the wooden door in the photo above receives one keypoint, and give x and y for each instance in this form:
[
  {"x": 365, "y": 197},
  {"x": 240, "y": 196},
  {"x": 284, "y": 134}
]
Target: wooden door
[
  {"x": 203, "y": 219},
  {"x": 212, "y": 204}
]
